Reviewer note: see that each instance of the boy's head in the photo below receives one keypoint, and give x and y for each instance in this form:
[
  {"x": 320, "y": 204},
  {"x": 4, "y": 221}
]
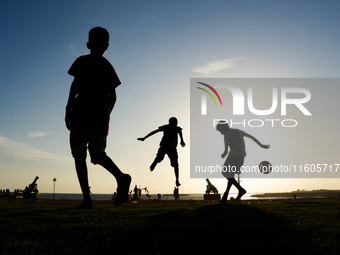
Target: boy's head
[
  {"x": 222, "y": 127},
  {"x": 173, "y": 121},
  {"x": 98, "y": 40}
]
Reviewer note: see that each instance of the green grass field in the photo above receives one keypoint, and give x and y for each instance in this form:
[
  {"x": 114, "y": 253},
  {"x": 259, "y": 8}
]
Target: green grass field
[{"x": 170, "y": 227}]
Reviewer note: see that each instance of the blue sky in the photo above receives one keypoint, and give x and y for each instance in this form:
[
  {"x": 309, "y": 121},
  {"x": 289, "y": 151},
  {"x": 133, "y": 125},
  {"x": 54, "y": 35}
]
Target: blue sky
[{"x": 155, "y": 47}]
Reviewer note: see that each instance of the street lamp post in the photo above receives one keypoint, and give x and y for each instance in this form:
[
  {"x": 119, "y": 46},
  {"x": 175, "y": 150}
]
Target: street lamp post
[{"x": 54, "y": 180}]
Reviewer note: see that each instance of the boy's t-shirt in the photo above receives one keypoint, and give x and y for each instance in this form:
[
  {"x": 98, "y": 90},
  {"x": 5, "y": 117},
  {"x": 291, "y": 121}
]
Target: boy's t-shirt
[
  {"x": 170, "y": 137},
  {"x": 97, "y": 81},
  {"x": 234, "y": 138}
]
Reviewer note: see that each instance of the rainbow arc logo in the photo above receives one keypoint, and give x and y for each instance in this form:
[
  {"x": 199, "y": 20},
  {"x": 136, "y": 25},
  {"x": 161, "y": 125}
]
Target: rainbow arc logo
[{"x": 209, "y": 93}]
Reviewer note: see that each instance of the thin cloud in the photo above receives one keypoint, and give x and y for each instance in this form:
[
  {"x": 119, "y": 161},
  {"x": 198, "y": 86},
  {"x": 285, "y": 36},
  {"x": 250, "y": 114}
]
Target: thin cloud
[
  {"x": 34, "y": 134},
  {"x": 24, "y": 151},
  {"x": 216, "y": 66}
]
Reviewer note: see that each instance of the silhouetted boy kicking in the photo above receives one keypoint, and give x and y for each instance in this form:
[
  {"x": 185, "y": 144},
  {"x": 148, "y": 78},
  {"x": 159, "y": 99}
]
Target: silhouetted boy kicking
[
  {"x": 91, "y": 100},
  {"x": 168, "y": 145},
  {"x": 234, "y": 139}
]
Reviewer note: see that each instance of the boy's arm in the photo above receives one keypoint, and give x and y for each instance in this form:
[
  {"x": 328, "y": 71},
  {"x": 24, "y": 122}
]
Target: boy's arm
[
  {"x": 70, "y": 102},
  {"x": 113, "y": 99},
  {"x": 148, "y": 135},
  {"x": 256, "y": 141},
  {"x": 73, "y": 93},
  {"x": 181, "y": 136},
  {"x": 226, "y": 145}
]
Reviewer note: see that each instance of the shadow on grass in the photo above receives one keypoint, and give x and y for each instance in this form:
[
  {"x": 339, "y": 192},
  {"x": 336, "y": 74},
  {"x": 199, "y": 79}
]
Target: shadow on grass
[
  {"x": 151, "y": 228},
  {"x": 217, "y": 229}
]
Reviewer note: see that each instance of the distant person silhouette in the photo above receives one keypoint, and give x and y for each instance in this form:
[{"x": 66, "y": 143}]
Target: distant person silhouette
[
  {"x": 91, "y": 100},
  {"x": 168, "y": 145},
  {"x": 234, "y": 139},
  {"x": 176, "y": 193}
]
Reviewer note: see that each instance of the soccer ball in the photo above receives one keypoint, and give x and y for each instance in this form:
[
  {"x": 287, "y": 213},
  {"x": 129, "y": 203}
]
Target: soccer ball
[{"x": 265, "y": 167}]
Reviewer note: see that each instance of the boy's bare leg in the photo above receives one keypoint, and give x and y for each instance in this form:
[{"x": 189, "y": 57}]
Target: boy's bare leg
[
  {"x": 81, "y": 169},
  {"x": 177, "y": 175},
  {"x": 226, "y": 193},
  {"x": 153, "y": 165},
  {"x": 109, "y": 165},
  {"x": 123, "y": 180},
  {"x": 241, "y": 191}
]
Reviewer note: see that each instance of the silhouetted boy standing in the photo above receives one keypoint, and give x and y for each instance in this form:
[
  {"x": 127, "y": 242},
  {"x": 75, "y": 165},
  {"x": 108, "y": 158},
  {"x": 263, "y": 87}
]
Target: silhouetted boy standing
[
  {"x": 168, "y": 145},
  {"x": 91, "y": 100}
]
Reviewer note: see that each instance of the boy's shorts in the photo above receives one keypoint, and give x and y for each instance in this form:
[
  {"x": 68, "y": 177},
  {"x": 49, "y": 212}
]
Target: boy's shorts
[
  {"x": 232, "y": 166},
  {"x": 83, "y": 139},
  {"x": 172, "y": 154}
]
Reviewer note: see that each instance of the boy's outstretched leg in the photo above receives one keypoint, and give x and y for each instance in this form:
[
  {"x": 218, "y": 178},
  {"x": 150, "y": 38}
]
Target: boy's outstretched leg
[
  {"x": 241, "y": 191},
  {"x": 81, "y": 169},
  {"x": 123, "y": 180}
]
